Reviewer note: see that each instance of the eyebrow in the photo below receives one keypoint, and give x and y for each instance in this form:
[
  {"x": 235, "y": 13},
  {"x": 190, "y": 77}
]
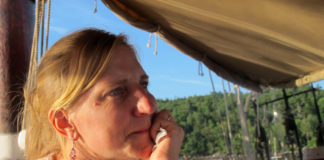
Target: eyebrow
[{"x": 143, "y": 77}]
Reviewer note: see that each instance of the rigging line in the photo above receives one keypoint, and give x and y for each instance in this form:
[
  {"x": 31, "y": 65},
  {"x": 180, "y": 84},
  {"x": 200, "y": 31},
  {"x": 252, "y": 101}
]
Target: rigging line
[
  {"x": 247, "y": 147},
  {"x": 156, "y": 43},
  {"x": 34, "y": 51},
  {"x": 42, "y": 29},
  {"x": 219, "y": 112},
  {"x": 230, "y": 94},
  {"x": 48, "y": 22},
  {"x": 31, "y": 76},
  {"x": 200, "y": 65},
  {"x": 231, "y": 89},
  {"x": 227, "y": 118},
  {"x": 246, "y": 105}
]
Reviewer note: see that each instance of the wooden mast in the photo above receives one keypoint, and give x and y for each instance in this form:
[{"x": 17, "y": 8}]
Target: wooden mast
[{"x": 16, "y": 31}]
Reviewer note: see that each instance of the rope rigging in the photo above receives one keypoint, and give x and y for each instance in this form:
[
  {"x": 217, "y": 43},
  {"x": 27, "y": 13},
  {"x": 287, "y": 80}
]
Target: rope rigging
[
  {"x": 48, "y": 22},
  {"x": 248, "y": 151},
  {"x": 228, "y": 121},
  {"x": 42, "y": 29},
  {"x": 219, "y": 113},
  {"x": 34, "y": 51},
  {"x": 39, "y": 20}
]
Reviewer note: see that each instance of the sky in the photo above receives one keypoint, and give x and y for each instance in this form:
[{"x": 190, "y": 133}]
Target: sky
[{"x": 172, "y": 73}]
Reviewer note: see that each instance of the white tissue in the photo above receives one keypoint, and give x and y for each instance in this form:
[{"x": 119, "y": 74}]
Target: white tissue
[{"x": 160, "y": 135}]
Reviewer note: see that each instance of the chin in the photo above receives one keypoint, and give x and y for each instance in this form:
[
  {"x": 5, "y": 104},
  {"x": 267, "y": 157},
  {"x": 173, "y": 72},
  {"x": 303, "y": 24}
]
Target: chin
[
  {"x": 142, "y": 149},
  {"x": 145, "y": 152}
]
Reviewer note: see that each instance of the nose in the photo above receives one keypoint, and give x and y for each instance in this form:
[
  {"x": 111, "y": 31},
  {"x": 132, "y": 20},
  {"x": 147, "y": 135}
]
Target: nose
[{"x": 146, "y": 103}]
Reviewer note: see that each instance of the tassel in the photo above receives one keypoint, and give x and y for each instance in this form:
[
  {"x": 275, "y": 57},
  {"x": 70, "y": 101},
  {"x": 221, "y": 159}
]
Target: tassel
[
  {"x": 200, "y": 70},
  {"x": 95, "y": 9},
  {"x": 148, "y": 45}
]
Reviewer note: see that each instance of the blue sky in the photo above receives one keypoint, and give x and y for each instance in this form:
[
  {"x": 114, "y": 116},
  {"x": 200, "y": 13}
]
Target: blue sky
[{"x": 172, "y": 74}]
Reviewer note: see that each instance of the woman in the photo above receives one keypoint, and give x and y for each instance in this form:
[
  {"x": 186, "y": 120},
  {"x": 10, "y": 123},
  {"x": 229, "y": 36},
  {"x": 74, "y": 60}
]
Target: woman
[{"x": 91, "y": 102}]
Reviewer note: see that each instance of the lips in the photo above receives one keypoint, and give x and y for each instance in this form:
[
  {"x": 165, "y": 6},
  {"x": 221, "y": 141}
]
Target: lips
[
  {"x": 142, "y": 126},
  {"x": 141, "y": 131}
]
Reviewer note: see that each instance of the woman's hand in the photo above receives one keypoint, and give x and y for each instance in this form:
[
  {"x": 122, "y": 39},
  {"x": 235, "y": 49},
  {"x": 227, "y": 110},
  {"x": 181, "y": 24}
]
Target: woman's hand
[{"x": 168, "y": 147}]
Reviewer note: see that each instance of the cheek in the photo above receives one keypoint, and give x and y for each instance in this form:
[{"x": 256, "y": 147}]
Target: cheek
[{"x": 102, "y": 129}]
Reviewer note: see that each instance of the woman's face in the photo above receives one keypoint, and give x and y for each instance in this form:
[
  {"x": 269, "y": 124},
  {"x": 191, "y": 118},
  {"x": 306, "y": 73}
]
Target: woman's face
[{"x": 113, "y": 118}]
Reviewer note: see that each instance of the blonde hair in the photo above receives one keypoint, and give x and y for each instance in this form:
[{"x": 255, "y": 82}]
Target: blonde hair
[{"x": 69, "y": 68}]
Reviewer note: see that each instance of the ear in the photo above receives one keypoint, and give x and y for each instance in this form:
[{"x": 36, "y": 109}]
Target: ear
[{"x": 60, "y": 121}]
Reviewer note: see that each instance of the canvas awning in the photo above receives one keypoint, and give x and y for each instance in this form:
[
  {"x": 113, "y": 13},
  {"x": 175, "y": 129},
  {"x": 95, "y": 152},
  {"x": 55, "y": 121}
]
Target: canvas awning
[{"x": 253, "y": 43}]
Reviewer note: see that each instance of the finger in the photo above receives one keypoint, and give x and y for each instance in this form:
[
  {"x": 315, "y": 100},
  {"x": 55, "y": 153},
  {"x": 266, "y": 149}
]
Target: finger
[
  {"x": 161, "y": 123},
  {"x": 162, "y": 119},
  {"x": 170, "y": 118},
  {"x": 163, "y": 114}
]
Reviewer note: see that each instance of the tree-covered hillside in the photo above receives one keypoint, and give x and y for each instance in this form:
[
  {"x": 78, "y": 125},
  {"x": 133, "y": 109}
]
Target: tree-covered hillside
[{"x": 199, "y": 117}]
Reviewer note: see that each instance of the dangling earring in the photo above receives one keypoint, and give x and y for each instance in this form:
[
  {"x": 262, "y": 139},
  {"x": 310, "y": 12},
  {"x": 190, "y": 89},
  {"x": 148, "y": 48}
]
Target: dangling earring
[{"x": 73, "y": 154}]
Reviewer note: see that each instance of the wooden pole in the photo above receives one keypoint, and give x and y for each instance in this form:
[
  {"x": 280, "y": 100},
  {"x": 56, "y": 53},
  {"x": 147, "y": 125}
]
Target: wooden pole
[{"x": 16, "y": 30}]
